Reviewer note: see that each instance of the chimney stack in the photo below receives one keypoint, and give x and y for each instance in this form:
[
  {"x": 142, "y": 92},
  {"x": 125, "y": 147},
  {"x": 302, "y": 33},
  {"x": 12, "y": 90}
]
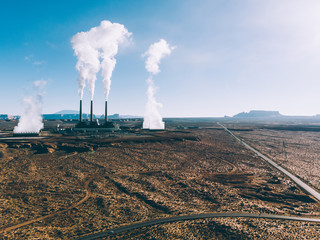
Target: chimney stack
[
  {"x": 91, "y": 112},
  {"x": 106, "y": 112},
  {"x": 80, "y": 117}
]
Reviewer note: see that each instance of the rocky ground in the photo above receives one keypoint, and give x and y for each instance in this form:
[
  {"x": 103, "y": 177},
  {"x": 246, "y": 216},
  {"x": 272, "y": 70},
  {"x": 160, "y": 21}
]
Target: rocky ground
[
  {"x": 62, "y": 187},
  {"x": 297, "y": 151}
]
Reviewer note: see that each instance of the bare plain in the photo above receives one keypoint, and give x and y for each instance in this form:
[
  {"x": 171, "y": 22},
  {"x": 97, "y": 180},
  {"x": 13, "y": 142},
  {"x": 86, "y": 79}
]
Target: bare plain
[{"x": 66, "y": 186}]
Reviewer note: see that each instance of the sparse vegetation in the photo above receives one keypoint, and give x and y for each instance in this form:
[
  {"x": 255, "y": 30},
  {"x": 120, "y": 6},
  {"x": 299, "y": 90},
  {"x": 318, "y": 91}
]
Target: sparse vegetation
[{"x": 95, "y": 184}]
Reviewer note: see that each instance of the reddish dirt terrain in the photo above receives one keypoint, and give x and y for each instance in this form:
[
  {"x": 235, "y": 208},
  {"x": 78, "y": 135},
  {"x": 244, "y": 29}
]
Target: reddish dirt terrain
[
  {"x": 63, "y": 187},
  {"x": 297, "y": 151}
]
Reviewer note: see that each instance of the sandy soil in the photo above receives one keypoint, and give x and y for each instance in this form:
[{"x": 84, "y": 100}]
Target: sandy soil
[
  {"x": 131, "y": 179},
  {"x": 297, "y": 151}
]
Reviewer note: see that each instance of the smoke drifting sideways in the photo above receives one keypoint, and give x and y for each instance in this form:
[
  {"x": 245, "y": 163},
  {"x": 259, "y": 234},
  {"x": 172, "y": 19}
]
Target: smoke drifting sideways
[
  {"x": 31, "y": 118},
  {"x": 96, "y": 50},
  {"x": 156, "y": 51}
]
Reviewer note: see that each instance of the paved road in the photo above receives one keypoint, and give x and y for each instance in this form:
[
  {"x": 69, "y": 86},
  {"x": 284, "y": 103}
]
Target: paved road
[
  {"x": 190, "y": 217},
  {"x": 303, "y": 185},
  {"x": 297, "y": 180}
]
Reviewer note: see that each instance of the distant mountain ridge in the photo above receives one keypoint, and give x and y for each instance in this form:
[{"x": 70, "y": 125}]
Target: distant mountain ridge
[
  {"x": 258, "y": 114},
  {"x": 251, "y": 115}
]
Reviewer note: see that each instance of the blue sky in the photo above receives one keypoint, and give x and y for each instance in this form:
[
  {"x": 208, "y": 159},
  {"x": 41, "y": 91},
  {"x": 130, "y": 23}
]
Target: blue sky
[{"x": 231, "y": 56}]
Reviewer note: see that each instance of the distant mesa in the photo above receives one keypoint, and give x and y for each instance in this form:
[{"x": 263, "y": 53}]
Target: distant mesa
[{"x": 258, "y": 114}]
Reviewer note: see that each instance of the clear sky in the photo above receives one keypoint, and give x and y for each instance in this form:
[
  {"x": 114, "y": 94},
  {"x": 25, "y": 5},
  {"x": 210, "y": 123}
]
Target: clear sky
[{"x": 231, "y": 56}]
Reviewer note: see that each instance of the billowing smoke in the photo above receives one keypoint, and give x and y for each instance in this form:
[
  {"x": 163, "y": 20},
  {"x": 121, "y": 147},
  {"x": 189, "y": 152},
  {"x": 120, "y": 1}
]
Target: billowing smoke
[
  {"x": 156, "y": 51},
  {"x": 96, "y": 50},
  {"x": 31, "y": 118},
  {"x": 152, "y": 118}
]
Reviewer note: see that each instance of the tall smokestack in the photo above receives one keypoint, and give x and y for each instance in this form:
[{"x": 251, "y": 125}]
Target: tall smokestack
[
  {"x": 91, "y": 112},
  {"x": 106, "y": 113},
  {"x": 80, "y": 117}
]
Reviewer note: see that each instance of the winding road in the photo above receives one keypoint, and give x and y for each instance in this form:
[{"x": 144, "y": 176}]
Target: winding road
[
  {"x": 190, "y": 217},
  {"x": 300, "y": 183},
  {"x": 148, "y": 223},
  {"x": 85, "y": 198}
]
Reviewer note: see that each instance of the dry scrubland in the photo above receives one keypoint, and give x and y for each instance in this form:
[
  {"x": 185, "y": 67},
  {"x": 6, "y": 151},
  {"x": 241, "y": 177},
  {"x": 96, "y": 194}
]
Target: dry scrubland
[
  {"x": 297, "y": 151},
  {"x": 84, "y": 185}
]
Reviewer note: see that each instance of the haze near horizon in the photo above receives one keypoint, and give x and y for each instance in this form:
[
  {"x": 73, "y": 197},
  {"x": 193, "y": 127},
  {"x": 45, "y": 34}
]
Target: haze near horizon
[{"x": 231, "y": 57}]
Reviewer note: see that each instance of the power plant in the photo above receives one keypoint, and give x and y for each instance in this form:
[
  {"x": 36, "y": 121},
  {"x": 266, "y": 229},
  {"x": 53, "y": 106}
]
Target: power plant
[
  {"x": 93, "y": 56},
  {"x": 107, "y": 125}
]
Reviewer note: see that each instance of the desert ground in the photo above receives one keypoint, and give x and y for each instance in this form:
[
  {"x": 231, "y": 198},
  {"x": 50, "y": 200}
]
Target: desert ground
[
  {"x": 295, "y": 149},
  {"x": 69, "y": 185}
]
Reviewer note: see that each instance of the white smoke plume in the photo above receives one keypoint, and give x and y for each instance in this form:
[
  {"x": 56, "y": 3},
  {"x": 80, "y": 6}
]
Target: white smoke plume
[
  {"x": 31, "y": 118},
  {"x": 156, "y": 51},
  {"x": 152, "y": 118},
  {"x": 96, "y": 50}
]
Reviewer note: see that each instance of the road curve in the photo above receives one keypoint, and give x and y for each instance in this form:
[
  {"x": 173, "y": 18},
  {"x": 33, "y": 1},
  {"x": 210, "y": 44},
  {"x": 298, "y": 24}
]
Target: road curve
[
  {"x": 216, "y": 215},
  {"x": 191, "y": 217},
  {"x": 297, "y": 180},
  {"x": 86, "y": 197}
]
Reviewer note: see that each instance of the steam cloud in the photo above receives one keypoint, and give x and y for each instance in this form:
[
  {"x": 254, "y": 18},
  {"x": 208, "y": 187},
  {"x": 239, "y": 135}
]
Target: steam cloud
[
  {"x": 156, "y": 51},
  {"x": 96, "y": 50},
  {"x": 31, "y": 118}
]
